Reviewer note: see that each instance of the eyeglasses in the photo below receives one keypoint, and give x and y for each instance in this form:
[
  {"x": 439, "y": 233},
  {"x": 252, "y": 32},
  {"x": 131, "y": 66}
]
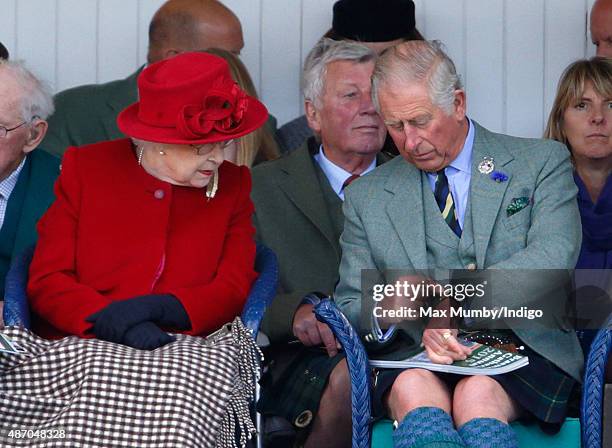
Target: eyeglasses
[
  {"x": 204, "y": 149},
  {"x": 4, "y": 130}
]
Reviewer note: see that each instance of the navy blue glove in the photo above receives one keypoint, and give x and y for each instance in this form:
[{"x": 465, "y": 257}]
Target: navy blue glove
[
  {"x": 112, "y": 323},
  {"x": 146, "y": 336}
]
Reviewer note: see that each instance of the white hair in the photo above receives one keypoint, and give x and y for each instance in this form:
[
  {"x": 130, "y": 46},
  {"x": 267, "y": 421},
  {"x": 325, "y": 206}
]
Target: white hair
[
  {"x": 418, "y": 61},
  {"x": 36, "y": 96},
  {"x": 323, "y": 53}
]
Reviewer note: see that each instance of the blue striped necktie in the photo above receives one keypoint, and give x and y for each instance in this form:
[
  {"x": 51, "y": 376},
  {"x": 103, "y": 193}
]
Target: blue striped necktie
[{"x": 444, "y": 198}]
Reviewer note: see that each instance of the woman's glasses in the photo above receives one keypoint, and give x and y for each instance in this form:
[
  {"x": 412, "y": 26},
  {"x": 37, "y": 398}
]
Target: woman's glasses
[{"x": 206, "y": 148}]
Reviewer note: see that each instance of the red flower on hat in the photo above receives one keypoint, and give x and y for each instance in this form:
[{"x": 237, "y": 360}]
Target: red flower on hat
[{"x": 221, "y": 110}]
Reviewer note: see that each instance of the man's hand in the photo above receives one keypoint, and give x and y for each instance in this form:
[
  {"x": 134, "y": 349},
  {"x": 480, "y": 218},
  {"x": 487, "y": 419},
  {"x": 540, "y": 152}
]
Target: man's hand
[
  {"x": 442, "y": 346},
  {"x": 311, "y": 332}
]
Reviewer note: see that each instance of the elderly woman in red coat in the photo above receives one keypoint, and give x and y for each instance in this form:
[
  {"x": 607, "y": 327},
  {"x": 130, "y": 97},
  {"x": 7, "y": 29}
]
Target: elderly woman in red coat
[
  {"x": 149, "y": 235},
  {"x": 154, "y": 231}
]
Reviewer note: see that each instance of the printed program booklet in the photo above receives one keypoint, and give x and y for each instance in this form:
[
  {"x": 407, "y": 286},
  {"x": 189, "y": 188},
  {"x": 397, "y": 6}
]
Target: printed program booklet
[{"x": 484, "y": 360}]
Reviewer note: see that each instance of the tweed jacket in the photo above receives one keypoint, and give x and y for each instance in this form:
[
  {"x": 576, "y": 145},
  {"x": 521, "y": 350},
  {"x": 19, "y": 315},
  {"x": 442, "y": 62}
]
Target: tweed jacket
[
  {"x": 385, "y": 228},
  {"x": 293, "y": 219},
  {"x": 116, "y": 232}
]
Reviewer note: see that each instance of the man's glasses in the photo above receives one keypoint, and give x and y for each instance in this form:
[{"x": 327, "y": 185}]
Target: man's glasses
[
  {"x": 204, "y": 149},
  {"x": 4, "y": 130}
]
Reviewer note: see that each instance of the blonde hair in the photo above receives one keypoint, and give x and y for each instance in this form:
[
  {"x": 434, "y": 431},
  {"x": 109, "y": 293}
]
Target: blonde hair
[
  {"x": 260, "y": 142},
  {"x": 597, "y": 71}
]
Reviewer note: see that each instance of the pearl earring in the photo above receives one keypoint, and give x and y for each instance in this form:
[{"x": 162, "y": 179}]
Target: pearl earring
[
  {"x": 140, "y": 151},
  {"x": 161, "y": 152}
]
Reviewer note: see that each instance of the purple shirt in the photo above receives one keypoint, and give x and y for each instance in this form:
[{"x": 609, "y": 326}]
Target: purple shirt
[{"x": 596, "y": 250}]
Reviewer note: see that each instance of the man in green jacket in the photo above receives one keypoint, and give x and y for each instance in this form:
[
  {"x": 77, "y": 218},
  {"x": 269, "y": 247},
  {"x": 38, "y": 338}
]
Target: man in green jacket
[
  {"x": 27, "y": 174},
  {"x": 87, "y": 114},
  {"x": 298, "y": 213}
]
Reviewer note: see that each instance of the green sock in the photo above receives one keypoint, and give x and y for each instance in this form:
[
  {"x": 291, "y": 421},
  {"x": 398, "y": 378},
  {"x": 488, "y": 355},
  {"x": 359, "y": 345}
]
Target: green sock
[
  {"x": 427, "y": 427},
  {"x": 487, "y": 432}
]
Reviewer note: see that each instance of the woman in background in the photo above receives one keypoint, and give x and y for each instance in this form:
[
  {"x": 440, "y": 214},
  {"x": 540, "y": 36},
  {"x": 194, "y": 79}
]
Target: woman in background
[
  {"x": 259, "y": 145},
  {"x": 581, "y": 118}
]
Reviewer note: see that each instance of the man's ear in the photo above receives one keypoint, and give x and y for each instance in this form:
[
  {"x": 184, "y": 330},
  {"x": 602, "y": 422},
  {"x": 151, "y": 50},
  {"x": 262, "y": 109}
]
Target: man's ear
[
  {"x": 170, "y": 53},
  {"x": 37, "y": 130},
  {"x": 312, "y": 115},
  {"x": 460, "y": 106}
]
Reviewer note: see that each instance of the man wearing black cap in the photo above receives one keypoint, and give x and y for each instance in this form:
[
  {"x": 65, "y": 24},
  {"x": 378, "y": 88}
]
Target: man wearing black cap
[
  {"x": 4, "y": 54},
  {"x": 368, "y": 23}
]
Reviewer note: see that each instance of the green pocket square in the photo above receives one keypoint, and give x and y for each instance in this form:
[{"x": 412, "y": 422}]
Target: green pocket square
[{"x": 516, "y": 205}]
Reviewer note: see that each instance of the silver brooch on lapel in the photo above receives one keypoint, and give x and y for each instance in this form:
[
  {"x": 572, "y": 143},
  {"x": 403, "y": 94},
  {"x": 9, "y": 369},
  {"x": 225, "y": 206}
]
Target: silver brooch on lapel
[{"x": 486, "y": 166}]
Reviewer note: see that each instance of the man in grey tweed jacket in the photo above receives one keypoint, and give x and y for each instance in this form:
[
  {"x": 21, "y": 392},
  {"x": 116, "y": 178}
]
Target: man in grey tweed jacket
[{"x": 514, "y": 201}]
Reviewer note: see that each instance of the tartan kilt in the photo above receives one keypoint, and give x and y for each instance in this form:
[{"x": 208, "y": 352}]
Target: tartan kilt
[
  {"x": 294, "y": 383},
  {"x": 541, "y": 388},
  {"x": 194, "y": 392}
]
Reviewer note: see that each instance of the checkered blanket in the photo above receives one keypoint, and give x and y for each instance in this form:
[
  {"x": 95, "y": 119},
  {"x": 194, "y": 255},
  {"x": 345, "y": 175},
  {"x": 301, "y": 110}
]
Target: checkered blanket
[{"x": 194, "y": 392}]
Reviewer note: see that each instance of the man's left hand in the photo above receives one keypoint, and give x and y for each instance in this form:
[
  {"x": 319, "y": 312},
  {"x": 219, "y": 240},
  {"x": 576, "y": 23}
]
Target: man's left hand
[{"x": 311, "y": 332}]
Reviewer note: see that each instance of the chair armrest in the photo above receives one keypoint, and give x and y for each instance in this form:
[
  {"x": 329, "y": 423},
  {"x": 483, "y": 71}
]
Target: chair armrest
[
  {"x": 16, "y": 307},
  {"x": 263, "y": 290},
  {"x": 593, "y": 388},
  {"x": 358, "y": 366}
]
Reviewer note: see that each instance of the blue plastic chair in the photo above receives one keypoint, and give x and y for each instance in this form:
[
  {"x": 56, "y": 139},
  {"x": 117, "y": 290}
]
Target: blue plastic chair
[
  {"x": 593, "y": 387},
  {"x": 16, "y": 309},
  {"x": 592, "y": 397}
]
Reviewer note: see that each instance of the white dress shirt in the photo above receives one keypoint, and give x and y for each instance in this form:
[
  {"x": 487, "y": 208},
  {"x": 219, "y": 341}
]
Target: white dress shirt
[{"x": 336, "y": 175}]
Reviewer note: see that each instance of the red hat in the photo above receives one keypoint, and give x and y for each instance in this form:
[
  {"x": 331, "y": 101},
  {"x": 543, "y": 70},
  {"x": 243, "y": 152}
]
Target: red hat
[{"x": 190, "y": 99}]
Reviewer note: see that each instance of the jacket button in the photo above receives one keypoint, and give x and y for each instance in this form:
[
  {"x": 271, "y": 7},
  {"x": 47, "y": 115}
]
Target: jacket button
[
  {"x": 159, "y": 194},
  {"x": 304, "y": 419}
]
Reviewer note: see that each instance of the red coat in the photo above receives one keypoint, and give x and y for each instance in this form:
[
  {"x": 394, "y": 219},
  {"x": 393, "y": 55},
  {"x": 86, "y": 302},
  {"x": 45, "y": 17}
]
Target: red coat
[{"x": 115, "y": 232}]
